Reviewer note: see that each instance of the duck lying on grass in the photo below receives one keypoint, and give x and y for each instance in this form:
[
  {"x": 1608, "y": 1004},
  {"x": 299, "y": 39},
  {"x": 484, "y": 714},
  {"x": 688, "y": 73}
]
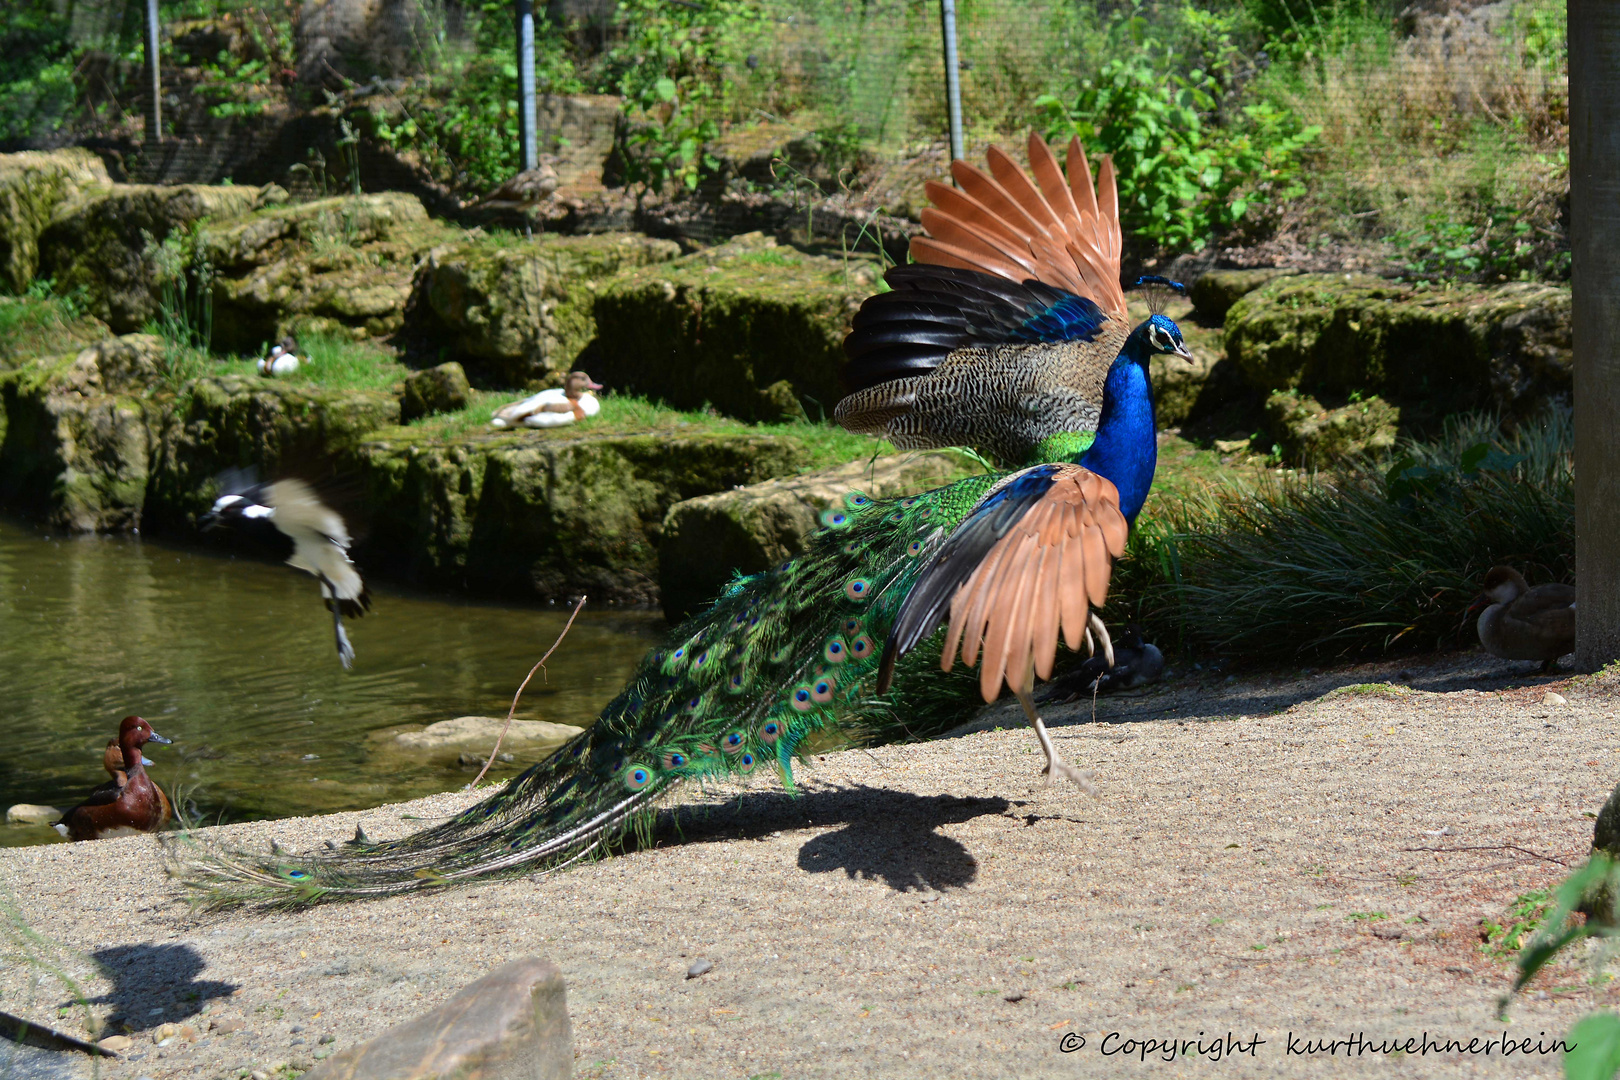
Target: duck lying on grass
[
  {"x": 553, "y": 408},
  {"x": 1517, "y": 622},
  {"x": 122, "y": 809},
  {"x": 281, "y": 359}
]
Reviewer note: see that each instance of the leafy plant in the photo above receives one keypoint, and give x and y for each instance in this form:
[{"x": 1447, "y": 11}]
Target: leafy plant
[
  {"x": 1183, "y": 175},
  {"x": 1523, "y": 919},
  {"x": 672, "y": 69},
  {"x": 185, "y": 277}
]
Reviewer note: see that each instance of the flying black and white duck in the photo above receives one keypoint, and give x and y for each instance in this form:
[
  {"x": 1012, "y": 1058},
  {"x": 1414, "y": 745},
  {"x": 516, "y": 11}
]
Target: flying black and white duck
[
  {"x": 555, "y": 407},
  {"x": 289, "y": 518},
  {"x": 1517, "y": 622}
]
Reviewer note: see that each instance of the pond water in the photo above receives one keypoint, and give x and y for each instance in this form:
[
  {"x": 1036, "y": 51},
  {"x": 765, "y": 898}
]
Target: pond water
[{"x": 233, "y": 659}]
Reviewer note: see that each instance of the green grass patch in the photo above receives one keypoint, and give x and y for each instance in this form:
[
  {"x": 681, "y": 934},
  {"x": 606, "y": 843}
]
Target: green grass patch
[
  {"x": 331, "y": 362},
  {"x": 41, "y": 323}
]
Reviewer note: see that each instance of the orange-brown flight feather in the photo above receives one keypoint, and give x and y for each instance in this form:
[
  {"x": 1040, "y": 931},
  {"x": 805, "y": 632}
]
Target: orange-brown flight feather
[
  {"x": 1044, "y": 576},
  {"x": 1063, "y": 232}
]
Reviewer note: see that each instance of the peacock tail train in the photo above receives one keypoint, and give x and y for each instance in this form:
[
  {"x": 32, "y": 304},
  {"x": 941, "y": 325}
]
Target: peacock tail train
[{"x": 781, "y": 656}]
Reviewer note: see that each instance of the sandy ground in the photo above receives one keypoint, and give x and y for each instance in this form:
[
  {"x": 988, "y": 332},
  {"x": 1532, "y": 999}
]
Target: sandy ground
[{"x": 1265, "y": 857}]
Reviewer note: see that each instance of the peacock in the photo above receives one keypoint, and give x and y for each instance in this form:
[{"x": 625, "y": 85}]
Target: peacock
[{"x": 1009, "y": 332}]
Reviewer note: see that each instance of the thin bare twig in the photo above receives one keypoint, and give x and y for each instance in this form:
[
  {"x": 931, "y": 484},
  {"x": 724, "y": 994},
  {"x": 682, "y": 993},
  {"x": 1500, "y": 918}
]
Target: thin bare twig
[
  {"x": 1492, "y": 847},
  {"x": 513, "y": 710}
]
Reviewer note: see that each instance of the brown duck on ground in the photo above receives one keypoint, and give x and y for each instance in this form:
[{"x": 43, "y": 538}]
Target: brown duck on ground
[
  {"x": 555, "y": 407},
  {"x": 113, "y": 809},
  {"x": 1517, "y": 622},
  {"x": 528, "y": 188}
]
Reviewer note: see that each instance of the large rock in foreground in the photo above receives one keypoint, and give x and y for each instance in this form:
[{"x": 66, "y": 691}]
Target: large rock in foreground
[
  {"x": 1430, "y": 351},
  {"x": 510, "y": 1025},
  {"x": 753, "y": 329},
  {"x": 708, "y": 539}
]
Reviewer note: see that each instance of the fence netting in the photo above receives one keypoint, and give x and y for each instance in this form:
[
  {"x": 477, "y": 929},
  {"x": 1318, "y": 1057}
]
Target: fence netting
[{"x": 1426, "y": 137}]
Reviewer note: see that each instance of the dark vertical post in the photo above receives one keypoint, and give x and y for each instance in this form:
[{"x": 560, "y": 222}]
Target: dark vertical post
[
  {"x": 526, "y": 109},
  {"x": 154, "y": 72},
  {"x": 953, "y": 76},
  {"x": 1594, "y": 215}
]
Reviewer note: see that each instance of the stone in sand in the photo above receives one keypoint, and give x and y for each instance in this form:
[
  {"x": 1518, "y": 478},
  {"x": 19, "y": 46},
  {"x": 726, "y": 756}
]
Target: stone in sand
[{"x": 510, "y": 1025}]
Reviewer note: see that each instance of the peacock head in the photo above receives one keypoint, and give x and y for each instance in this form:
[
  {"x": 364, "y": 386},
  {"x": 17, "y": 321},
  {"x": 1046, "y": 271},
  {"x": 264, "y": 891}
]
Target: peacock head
[
  {"x": 1160, "y": 334},
  {"x": 1164, "y": 336}
]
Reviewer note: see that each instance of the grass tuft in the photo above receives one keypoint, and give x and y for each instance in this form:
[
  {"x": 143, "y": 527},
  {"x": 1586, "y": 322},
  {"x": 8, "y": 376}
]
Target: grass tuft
[{"x": 1366, "y": 562}]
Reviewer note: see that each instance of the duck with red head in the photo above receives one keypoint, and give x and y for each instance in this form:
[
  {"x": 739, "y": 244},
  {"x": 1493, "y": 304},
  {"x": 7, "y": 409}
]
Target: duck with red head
[
  {"x": 113, "y": 762},
  {"x": 1517, "y": 622},
  {"x": 135, "y": 806}
]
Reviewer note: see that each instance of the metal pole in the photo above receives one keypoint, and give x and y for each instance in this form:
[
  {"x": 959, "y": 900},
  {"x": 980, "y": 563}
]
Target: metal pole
[
  {"x": 154, "y": 114},
  {"x": 1594, "y": 215},
  {"x": 526, "y": 109},
  {"x": 953, "y": 76}
]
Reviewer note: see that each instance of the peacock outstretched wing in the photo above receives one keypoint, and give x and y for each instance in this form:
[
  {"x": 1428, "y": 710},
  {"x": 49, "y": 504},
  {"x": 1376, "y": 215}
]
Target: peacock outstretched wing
[{"x": 1001, "y": 332}]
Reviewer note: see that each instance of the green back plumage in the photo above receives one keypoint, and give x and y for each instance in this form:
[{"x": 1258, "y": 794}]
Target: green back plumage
[{"x": 780, "y": 657}]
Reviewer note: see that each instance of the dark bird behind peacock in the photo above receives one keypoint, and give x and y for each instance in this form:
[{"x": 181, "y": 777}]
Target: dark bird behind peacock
[{"x": 1008, "y": 333}]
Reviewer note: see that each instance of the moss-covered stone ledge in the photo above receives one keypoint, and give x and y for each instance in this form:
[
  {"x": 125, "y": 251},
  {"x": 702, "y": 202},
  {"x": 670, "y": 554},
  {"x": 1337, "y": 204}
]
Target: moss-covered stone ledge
[
  {"x": 548, "y": 515},
  {"x": 752, "y": 328},
  {"x": 98, "y": 240},
  {"x": 753, "y": 528},
  {"x": 1430, "y": 351},
  {"x": 33, "y": 185},
  {"x": 518, "y": 313},
  {"x": 341, "y": 265}
]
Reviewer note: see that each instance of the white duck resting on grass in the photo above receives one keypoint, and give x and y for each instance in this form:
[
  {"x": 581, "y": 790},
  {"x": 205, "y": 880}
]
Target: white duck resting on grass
[
  {"x": 553, "y": 408},
  {"x": 281, "y": 359}
]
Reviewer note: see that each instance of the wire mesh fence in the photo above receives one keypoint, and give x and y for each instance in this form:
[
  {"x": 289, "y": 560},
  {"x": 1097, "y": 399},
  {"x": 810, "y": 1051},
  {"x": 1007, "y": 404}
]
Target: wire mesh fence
[{"x": 1425, "y": 138}]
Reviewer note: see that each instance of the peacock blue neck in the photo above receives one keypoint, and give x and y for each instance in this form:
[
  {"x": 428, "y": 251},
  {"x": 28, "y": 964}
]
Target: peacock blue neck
[{"x": 1126, "y": 449}]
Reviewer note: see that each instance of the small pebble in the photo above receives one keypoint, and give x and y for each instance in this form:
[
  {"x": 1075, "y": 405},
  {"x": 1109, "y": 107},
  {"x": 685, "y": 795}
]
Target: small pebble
[
  {"x": 298, "y": 1042},
  {"x": 699, "y": 967},
  {"x": 1015, "y": 996},
  {"x": 225, "y": 1025},
  {"x": 116, "y": 1043},
  {"x": 1551, "y": 698},
  {"x": 323, "y": 1053},
  {"x": 259, "y": 1074},
  {"x": 328, "y": 1038},
  {"x": 296, "y": 1028}
]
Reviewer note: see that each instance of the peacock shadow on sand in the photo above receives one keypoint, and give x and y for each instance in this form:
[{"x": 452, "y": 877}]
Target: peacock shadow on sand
[
  {"x": 154, "y": 984},
  {"x": 888, "y": 836}
]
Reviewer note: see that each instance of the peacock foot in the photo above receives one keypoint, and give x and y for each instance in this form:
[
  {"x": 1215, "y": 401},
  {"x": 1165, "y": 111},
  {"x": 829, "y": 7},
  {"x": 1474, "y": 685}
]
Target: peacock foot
[{"x": 1058, "y": 767}]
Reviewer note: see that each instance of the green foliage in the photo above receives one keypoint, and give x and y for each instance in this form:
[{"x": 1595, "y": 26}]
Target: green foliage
[
  {"x": 36, "y": 70},
  {"x": 238, "y": 83},
  {"x": 1183, "y": 175},
  {"x": 1594, "y": 1048},
  {"x": 672, "y": 68},
  {"x": 185, "y": 277},
  {"x": 1368, "y": 562}
]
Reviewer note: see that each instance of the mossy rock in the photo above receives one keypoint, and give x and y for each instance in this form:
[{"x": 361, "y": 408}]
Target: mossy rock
[
  {"x": 1215, "y": 291},
  {"x": 75, "y": 435},
  {"x": 35, "y": 328},
  {"x": 230, "y": 421},
  {"x": 724, "y": 326},
  {"x": 749, "y": 529},
  {"x": 518, "y": 313},
  {"x": 99, "y": 240},
  {"x": 1313, "y": 436},
  {"x": 341, "y": 265},
  {"x": 544, "y": 515},
  {"x": 440, "y": 389},
  {"x": 1430, "y": 351},
  {"x": 33, "y": 184}
]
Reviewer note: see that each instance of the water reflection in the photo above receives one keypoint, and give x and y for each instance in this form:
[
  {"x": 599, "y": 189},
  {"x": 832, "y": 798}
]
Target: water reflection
[{"x": 233, "y": 659}]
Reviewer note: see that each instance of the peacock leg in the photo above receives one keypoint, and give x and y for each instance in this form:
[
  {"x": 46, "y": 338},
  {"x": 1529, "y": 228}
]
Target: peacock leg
[
  {"x": 1095, "y": 623},
  {"x": 1055, "y": 766}
]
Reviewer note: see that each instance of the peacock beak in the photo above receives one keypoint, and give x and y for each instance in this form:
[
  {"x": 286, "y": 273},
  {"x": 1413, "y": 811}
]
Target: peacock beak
[{"x": 1184, "y": 352}]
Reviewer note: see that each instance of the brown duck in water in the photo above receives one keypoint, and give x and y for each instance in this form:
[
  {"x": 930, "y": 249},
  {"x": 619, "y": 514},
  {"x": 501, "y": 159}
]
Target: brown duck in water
[
  {"x": 122, "y": 809},
  {"x": 1521, "y": 623}
]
